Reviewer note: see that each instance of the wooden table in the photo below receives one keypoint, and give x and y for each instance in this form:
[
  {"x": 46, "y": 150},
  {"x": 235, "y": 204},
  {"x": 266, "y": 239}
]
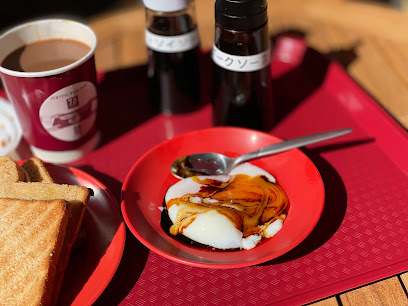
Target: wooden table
[{"x": 370, "y": 40}]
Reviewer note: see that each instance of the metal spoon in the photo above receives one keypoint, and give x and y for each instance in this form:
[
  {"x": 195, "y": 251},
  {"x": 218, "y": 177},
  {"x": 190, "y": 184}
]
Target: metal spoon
[{"x": 216, "y": 163}]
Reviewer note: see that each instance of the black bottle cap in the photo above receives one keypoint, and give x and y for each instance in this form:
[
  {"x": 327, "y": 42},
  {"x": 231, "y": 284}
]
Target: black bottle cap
[{"x": 241, "y": 15}]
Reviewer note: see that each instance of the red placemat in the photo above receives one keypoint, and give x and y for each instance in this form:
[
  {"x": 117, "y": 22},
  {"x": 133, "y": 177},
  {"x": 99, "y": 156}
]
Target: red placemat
[{"x": 362, "y": 234}]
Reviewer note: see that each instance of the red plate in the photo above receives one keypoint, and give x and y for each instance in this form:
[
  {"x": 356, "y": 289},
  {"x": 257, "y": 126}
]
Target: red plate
[
  {"x": 91, "y": 269},
  {"x": 149, "y": 178}
]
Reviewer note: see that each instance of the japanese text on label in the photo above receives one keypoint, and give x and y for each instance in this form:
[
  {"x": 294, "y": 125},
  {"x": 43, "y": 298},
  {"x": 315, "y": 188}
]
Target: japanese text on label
[
  {"x": 172, "y": 44},
  {"x": 241, "y": 63}
]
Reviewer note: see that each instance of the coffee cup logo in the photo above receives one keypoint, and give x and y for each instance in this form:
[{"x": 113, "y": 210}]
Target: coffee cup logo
[{"x": 70, "y": 113}]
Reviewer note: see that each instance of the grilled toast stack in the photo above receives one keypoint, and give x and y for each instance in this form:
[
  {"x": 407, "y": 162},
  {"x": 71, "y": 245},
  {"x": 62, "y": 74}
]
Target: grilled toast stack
[{"x": 39, "y": 224}]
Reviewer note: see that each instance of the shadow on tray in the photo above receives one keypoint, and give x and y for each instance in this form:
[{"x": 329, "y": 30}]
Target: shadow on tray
[
  {"x": 124, "y": 98},
  {"x": 295, "y": 66},
  {"x": 332, "y": 216},
  {"x": 130, "y": 268},
  {"x": 307, "y": 75},
  {"x": 134, "y": 257},
  {"x": 123, "y": 101},
  {"x": 335, "y": 204}
]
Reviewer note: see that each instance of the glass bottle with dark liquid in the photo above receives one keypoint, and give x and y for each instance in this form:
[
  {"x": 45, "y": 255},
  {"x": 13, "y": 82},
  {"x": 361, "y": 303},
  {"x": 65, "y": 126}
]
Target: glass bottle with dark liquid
[
  {"x": 241, "y": 55},
  {"x": 173, "y": 51}
]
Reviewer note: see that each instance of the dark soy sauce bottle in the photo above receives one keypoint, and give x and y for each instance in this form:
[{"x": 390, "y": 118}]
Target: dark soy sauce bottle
[
  {"x": 173, "y": 55},
  {"x": 241, "y": 54}
]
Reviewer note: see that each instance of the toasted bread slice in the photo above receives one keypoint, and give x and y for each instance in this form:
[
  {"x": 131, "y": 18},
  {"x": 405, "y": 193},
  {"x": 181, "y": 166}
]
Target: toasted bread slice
[
  {"x": 37, "y": 171},
  {"x": 11, "y": 172},
  {"x": 42, "y": 187},
  {"x": 31, "y": 239},
  {"x": 78, "y": 196}
]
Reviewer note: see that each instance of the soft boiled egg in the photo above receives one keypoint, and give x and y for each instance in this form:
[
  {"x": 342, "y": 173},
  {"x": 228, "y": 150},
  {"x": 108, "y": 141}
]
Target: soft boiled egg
[{"x": 232, "y": 211}]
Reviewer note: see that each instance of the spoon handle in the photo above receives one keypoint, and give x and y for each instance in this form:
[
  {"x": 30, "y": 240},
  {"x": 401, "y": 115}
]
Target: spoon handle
[{"x": 290, "y": 144}]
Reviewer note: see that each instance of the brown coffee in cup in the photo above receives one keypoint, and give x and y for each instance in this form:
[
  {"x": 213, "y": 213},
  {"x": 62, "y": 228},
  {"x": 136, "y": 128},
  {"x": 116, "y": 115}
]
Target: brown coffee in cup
[{"x": 45, "y": 55}]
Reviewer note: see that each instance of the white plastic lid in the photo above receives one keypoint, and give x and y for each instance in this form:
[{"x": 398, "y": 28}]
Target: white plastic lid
[
  {"x": 166, "y": 5},
  {"x": 10, "y": 130}
]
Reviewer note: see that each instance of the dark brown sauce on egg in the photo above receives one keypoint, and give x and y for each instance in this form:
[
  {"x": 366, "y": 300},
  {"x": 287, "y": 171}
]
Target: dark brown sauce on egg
[{"x": 250, "y": 203}]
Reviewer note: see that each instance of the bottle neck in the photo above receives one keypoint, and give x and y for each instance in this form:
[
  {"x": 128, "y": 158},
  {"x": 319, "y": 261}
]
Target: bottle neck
[
  {"x": 171, "y": 23},
  {"x": 242, "y": 43},
  {"x": 241, "y": 15}
]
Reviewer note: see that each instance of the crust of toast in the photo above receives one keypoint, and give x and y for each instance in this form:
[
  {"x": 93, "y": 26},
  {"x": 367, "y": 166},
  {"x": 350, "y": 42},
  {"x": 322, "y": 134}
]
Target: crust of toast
[
  {"x": 31, "y": 240},
  {"x": 11, "y": 172},
  {"x": 37, "y": 171},
  {"x": 78, "y": 196}
]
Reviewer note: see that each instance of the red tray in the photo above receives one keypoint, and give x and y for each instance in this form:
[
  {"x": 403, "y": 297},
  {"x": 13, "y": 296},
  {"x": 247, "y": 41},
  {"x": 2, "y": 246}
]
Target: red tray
[{"x": 362, "y": 234}]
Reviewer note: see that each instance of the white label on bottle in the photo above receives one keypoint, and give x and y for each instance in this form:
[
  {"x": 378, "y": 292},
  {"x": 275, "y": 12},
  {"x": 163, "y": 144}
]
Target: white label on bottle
[
  {"x": 70, "y": 113},
  {"x": 241, "y": 63},
  {"x": 172, "y": 44}
]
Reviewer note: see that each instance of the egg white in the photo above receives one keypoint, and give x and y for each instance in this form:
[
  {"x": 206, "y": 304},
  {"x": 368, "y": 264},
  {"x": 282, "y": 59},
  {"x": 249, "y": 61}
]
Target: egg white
[
  {"x": 251, "y": 170},
  {"x": 215, "y": 230}
]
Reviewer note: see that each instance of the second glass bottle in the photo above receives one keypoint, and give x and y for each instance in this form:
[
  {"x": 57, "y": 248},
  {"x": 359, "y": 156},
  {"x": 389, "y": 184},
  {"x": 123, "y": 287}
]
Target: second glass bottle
[{"x": 241, "y": 55}]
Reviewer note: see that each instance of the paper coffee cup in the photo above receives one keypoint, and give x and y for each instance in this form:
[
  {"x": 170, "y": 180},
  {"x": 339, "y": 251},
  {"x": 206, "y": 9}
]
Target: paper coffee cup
[{"x": 56, "y": 108}]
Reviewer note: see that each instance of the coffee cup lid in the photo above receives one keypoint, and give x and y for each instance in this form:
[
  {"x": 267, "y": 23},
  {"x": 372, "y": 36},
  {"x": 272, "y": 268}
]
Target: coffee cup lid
[{"x": 10, "y": 129}]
